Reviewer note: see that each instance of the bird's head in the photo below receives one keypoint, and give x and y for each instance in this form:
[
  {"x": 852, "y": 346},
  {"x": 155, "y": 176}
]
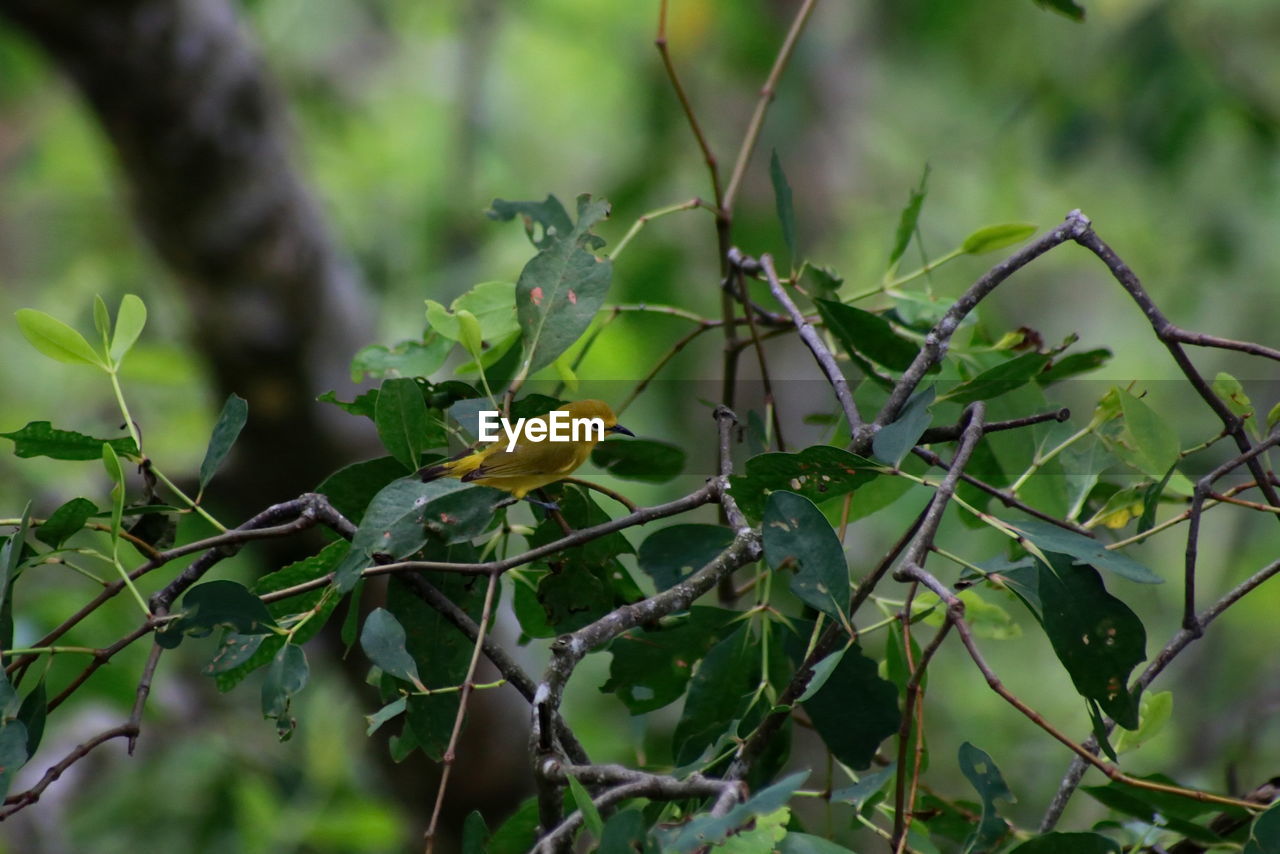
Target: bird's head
[{"x": 596, "y": 409}]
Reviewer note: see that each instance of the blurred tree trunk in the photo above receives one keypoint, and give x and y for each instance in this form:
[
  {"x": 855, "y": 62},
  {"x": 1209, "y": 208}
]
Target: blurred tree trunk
[{"x": 181, "y": 94}]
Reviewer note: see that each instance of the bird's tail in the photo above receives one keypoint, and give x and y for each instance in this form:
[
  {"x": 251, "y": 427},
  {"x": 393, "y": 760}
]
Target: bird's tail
[{"x": 456, "y": 466}]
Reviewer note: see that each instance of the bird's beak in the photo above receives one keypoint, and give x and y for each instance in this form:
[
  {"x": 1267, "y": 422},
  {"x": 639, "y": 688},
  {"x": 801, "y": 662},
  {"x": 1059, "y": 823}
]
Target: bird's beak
[{"x": 618, "y": 428}]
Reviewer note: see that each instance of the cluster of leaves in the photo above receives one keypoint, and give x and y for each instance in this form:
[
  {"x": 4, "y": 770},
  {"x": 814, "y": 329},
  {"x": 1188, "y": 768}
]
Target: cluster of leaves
[{"x": 729, "y": 666}]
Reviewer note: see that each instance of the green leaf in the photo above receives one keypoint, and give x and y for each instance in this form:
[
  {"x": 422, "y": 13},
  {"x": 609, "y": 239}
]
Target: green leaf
[
  {"x": 518, "y": 833},
  {"x": 57, "y": 340},
  {"x": 819, "y": 473},
  {"x": 999, "y": 379},
  {"x": 239, "y": 655},
  {"x": 365, "y": 403},
  {"x": 351, "y": 488},
  {"x": 492, "y": 303},
  {"x": 983, "y": 775},
  {"x": 783, "y": 203},
  {"x": 469, "y": 334},
  {"x": 13, "y": 752},
  {"x": 866, "y": 789},
  {"x": 545, "y": 222},
  {"x": 102, "y": 321},
  {"x": 1095, "y": 635},
  {"x": 10, "y": 560},
  {"x": 908, "y": 219},
  {"x": 1264, "y": 835},
  {"x": 1273, "y": 417},
  {"x": 235, "y": 412},
  {"x": 441, "y": 651},
  {"x": 1151, "y": 501},
  {"x": 32, "y": 714},
  {"x": 1140, "y": 438},
  {"x": 401, "y": 418},
  {"x": 561, "y": 289},
  {"x": 718, "y": 695},
  {"x": 65, "y": 521},
  {"x": 625, "y": 833},
  {"x": 388, "y": 712},
  {"x": 475, "y": 834},
  {"x": 854, "y": 710},
  {"x": 382, "y": 639},
  {"x": 671, "y": 555},
  {"x": 590, "y": 815},
  {"x": 651, "y": 667},
  {"x": 869, "y": 335},
  {"x": 895, "y": 440},
  {"x": 237, "y": 650},
  {"x": 1050, "y": 538},
  {"x": 221, "y": 604},
  {"x": 1069, "y": 8},
  {"x": 1154, "y": 713},
  {"x": 406, "y": 359},
  {"x": 1172, "y": 812},
  {"x": 805, "y": 843},
  {"x": 799, "y": 540},
  {"x": 824, "y": 280},
  {"x": 707, "y": 829},
  {"x": 130, "y": 318},
  {"x": 1069, "y": 843},
  {"x": 645, "y": 460},
  {"x": 115, "y": 471},
  {"x": 42, "y": 439},
  {"x": 286, "y": 676},
  {"x": 993, "y": 237},
  {"x": 1232, "y": 393},
  {"x": 1072, "y": 365},
  {"x": 405, "y": 512}
]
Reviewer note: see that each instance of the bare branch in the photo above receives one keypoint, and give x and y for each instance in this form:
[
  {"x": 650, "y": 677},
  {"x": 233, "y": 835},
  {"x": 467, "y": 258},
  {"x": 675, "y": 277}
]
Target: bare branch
[{"x": 814, "y": 342}]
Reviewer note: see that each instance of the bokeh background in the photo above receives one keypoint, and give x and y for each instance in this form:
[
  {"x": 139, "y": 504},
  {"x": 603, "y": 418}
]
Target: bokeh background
[{"x": 403, "y": 120}]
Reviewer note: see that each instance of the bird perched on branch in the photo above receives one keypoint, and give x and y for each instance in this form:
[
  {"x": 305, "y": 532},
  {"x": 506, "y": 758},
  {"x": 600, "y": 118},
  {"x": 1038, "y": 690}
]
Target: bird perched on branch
[{"x": 527, "y": 458}]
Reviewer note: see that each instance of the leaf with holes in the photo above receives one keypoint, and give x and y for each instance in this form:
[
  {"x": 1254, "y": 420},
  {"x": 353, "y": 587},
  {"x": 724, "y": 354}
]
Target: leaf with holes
[
  {"x": 672, "y": 554},
  {"x": 561, "y": 289},
  {"x": 651, "y": 666},
  {"x": 42, "y": 439},
  {"x": 799, "y": 540},
  {"x": 286, "y": 676},
  {"x": 982, "y": 773},
  {"x": 819, "y": 473},
  {"x": 718, "y": 694},
  {"x": 1095, "y": 635}
]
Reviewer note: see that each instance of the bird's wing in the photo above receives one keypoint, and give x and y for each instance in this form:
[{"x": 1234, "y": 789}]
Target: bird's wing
[{"x": 529, "y": 458}]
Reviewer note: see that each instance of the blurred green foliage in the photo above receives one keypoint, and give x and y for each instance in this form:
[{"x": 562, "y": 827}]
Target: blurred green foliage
[{"x": 1158, "y": 119}]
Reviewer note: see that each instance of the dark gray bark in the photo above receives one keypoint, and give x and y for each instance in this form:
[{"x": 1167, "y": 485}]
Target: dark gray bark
[{"x": 181, "y": 94}]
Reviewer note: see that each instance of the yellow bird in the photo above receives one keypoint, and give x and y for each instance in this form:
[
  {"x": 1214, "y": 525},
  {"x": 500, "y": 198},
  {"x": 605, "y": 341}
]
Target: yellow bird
[{"x": 533, "y": 452}]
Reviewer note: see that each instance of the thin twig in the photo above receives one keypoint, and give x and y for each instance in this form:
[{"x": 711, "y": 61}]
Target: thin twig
[
  {"x": 813, "y": 341},
  {"x": 468, "y": 684},
  {"x": 767, "y": 93}
]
